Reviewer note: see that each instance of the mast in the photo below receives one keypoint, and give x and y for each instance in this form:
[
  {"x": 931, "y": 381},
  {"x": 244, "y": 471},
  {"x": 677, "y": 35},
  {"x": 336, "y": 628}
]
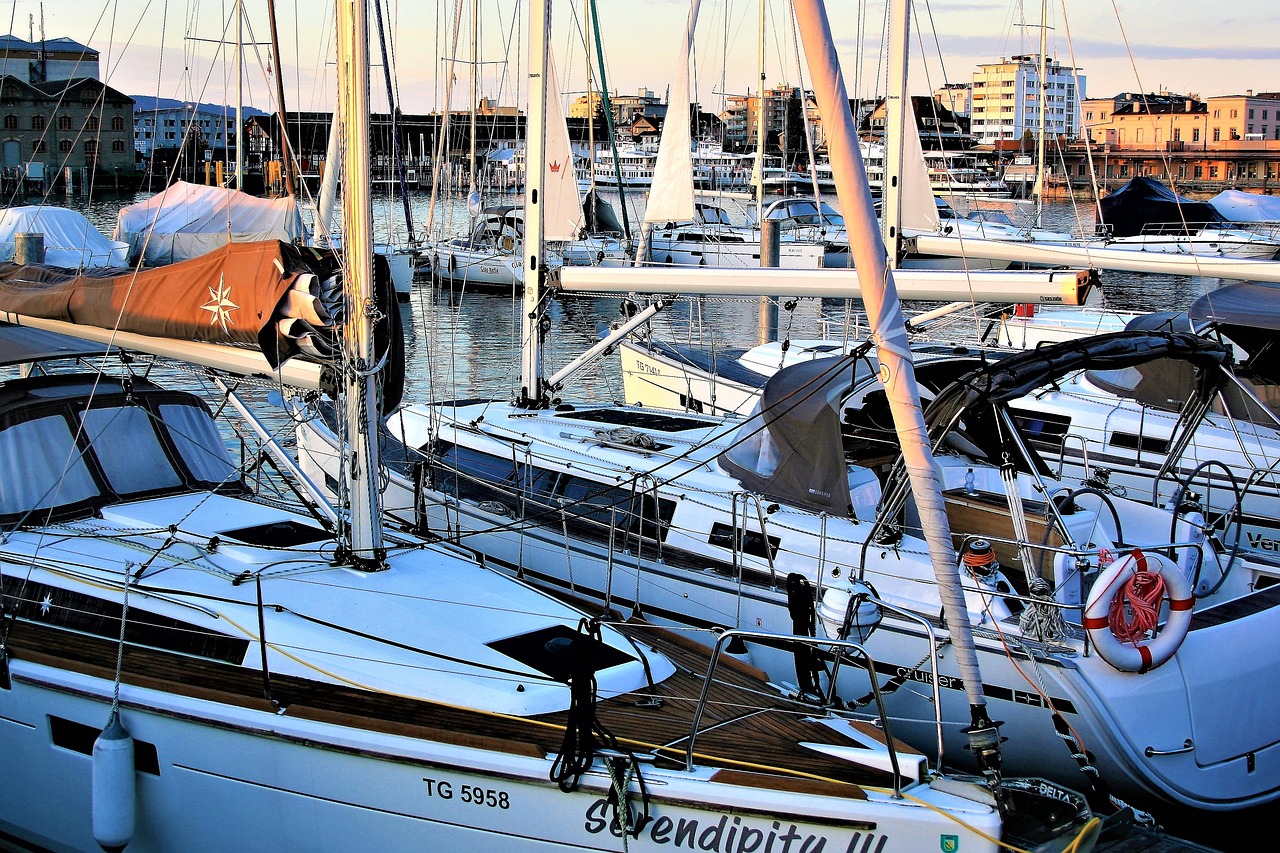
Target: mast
[
  {"x": 366, "y": 550},
  {"x": 759, "y": 164},
  {"x": 897, "y": 112},
  {"x": 888, "y": 327},
  {"x": 286, "y": 157},
  {"x": 532, "y": 388},
  {"x": 591, "y": 112},
  {"x": 473, "y": 191},
  {"x": 240, "y": 95},
  {"x": 393, "y": 108},
  {"x": 1039, "y": 187}
]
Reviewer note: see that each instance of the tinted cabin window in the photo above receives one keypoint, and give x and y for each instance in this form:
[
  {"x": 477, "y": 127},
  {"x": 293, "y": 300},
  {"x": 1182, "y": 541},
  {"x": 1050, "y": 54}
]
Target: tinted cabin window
[
  {"x": 53, "y": 471},
  {"x": 122, "y": 437},
  {"x": 752, "y": 542},
  {"x": 199, "y": 444},
  {"x": 585, "y": 507}
]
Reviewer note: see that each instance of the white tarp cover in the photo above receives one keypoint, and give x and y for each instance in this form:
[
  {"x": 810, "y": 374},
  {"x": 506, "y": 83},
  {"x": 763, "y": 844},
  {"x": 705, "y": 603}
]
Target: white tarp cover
[
  {"x": 189, "y": 220},
  {"x": 1239, "y": 206},
  {"x": 70, "y": 240}
]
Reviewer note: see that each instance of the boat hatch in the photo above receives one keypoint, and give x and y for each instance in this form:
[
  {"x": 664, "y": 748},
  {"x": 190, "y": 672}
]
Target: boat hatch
[
  {"x": 279, "y": 534},
  {"x": 657, "y": 421},
  {"x": 557, "y": 651}
]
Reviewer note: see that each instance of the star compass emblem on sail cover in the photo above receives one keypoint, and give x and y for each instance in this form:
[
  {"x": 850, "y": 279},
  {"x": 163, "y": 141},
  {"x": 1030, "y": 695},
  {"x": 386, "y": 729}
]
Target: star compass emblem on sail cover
[{"x": 220, "y": 305}]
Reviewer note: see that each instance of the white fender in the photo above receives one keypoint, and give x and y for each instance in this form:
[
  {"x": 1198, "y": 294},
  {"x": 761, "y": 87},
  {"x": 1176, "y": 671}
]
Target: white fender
[
  {"x": 1149, "y": 654},
  {"x": 114, "y": 787}
]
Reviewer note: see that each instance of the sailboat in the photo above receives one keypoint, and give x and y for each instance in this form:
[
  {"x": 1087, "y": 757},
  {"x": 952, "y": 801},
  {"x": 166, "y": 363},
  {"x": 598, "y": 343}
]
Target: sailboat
[
  {"x": 174, "y": 641},
  {"x": 709, "y": 523},
  {"x": 681, "y": 232},
  {"x": 666, "y": 515}
]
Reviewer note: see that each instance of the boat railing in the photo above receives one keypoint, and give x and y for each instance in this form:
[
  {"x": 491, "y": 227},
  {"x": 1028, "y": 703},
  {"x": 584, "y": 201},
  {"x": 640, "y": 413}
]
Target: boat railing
[
  {"x": 1072, "y": 438},
  {"x": 841, "y": 648},
  {"x": 1185, "y": 229}
]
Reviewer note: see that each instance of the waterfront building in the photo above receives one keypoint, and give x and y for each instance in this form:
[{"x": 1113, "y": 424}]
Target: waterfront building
[
  {"x": 56, "y": 115},
  {"x": 1202, "y": 146},
  {"x": 1006, "y": 99},
  {"x": 957, "y": 97},
  {"x": 47, "y": 59}
]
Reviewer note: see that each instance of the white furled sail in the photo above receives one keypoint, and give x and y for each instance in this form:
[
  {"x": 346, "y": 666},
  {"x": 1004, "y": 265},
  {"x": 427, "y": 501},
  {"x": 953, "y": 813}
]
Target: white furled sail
[
  {"x": 919, "y": 210},
  {"x": 671, "y": 198},
  {"x": 562, "y": 210}
]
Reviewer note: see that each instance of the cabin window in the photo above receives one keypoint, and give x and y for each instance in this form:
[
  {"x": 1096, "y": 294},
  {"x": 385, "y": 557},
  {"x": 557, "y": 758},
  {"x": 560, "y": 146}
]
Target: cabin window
[
  {"x": 1144, "y": 443},
  {"x": 753, "y": 542},
  {"x": 199, "y": 444},
  {"x": 54, "y": 472},
  {"x": 123, "y": 437}
]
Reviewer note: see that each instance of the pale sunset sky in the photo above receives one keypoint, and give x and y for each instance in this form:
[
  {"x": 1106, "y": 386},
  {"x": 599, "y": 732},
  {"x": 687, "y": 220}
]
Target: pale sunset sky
[{"x": 170, "y": 49}]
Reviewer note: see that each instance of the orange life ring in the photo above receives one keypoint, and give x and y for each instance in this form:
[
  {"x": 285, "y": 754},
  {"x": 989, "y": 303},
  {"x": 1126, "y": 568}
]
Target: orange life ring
[{"x": 1135, "y": 655}]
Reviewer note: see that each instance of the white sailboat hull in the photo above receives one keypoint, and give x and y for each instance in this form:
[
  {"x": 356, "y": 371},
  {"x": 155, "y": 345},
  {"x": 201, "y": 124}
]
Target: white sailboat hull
[
  {"x": 1107, "y": 709},
  {"x": 286, "y": 782}
]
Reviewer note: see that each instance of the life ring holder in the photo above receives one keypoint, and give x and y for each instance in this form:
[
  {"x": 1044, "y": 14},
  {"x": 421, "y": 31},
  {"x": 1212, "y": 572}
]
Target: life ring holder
[{"x": 1146, "y": 655}]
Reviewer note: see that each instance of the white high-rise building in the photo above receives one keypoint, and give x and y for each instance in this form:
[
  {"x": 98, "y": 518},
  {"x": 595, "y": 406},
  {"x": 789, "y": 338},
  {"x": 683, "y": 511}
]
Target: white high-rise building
[{"x": 1006, "y": 99}]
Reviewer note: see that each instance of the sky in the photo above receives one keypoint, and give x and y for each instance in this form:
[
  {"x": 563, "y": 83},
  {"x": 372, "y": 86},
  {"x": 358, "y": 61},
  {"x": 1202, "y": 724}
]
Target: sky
[{"x": 179, "y": 48}]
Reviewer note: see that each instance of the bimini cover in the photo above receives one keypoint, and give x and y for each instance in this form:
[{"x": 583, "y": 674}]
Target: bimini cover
[
  {"x": 189, "y": 220},
  {"x": 1247, "y": 312},
  {"x": 70, "y": 240},
  {"x": 1237, "y": 206},
  {"x": 1115, "y": 361},
  {"x": 1143, "y": 202},
  {"x": 789, "y": 449}
]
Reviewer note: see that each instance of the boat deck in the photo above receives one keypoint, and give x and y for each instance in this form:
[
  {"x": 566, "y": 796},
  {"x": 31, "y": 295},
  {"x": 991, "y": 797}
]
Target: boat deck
[
  {"x": 747, "y": 731},
  {"x": 743, "y": 717}
]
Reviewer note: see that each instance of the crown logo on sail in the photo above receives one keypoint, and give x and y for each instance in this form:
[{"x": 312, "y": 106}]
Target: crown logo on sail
[{"x": 555, "y": 166}]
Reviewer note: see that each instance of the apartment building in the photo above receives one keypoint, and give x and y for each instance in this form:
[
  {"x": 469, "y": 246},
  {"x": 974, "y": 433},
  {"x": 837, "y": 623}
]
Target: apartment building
[{"x": 1006, "y": 99}]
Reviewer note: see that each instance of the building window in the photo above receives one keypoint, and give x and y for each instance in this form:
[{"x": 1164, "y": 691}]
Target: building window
[
  {"x": 1213, "y": 171},
  {"x": 37, "y": 122},
  {"x": 1235, "y": 113},
  {"x": 64, "y": 122},
  {"x": 1199, "y": 171},
  {"x": 91, "y": 123},
  {"x": 10, "y": 122},
  {"x": 1177, "y": 134},
  {"x": 39, "y": 147},
  {"x": 90, "y": 147},
  {"x": 117, "y": 122},
  {"x": 117, "y": 145},
  {"x": 1217, "y": 113},
  {"x": 1250, "y": 112},
  {"x": 1195, "y": 134},
  {"x": 1217, "y": 134},
  {"x": 65, "y": 146}
]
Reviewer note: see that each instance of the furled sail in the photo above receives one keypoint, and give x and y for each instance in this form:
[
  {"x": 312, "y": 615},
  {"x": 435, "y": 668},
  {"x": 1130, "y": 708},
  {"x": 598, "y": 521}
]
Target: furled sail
[{"x": 671, "y": 198}]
